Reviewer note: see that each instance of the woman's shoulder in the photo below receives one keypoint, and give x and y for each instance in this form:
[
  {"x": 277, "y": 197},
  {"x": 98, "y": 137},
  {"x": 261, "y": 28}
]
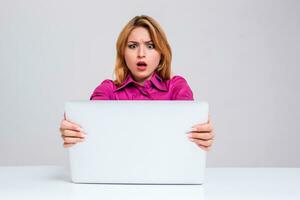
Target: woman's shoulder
[
  {"x": 104, "y": 90},
  {"x": 177, "y": 77},
  {"x": 180, "y": 88},
  {"x": 107, "y": 84},
  {"x": 177, "y": 80}
]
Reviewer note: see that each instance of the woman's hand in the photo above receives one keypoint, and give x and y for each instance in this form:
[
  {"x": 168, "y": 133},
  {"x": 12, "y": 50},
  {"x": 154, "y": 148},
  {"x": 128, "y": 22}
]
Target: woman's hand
[
  {"x": 202, "y": 135},
  {"x": 71, "y": 133}
]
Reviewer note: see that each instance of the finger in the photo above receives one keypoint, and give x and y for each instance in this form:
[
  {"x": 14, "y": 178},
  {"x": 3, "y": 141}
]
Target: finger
[
  {"x": 69, "y": 125},
  {"x": 202, "y": 136},
  {"x": 70, "y": 133},
  {"x": 67, "y": 145},
  {"x": 208, "y": 123},
  {"x": 73, "y": 140},
  {"x": 202, "y": 127},
  {"x": 204, "y": 148},
  {"x": 205, "y": 143}
]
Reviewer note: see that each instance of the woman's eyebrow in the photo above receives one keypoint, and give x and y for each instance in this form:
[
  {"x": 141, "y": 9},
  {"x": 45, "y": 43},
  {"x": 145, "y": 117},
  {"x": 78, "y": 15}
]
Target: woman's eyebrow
[{"x": 135, "y": 42}]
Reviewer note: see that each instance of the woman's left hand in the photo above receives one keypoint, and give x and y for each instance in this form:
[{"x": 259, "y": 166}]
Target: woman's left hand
[{"x": 202, "y": 135}]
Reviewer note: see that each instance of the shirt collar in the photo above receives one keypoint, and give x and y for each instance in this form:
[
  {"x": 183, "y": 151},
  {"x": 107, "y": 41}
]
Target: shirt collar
[{"x": 155, "y": 79}]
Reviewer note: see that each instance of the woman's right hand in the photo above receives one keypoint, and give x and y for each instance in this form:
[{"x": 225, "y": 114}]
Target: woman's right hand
[{"x": 71, "y": 133}]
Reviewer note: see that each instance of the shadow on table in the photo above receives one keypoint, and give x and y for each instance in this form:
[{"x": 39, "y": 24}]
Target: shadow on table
[{"x": 129, "y": 191}]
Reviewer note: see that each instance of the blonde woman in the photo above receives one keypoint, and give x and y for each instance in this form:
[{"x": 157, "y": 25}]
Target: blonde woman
[{"x": 143, "y": 72}]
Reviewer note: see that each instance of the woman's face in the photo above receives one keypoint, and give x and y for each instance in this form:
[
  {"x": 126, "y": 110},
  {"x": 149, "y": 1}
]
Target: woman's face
[{"x": 141, "y": 57}]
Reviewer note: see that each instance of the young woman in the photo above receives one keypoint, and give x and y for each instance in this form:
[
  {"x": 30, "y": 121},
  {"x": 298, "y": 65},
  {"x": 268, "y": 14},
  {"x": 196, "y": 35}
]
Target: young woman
[{"x": 143, "y": 72}]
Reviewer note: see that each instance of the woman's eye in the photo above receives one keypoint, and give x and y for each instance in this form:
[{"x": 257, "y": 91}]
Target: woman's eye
[
  {"x": 150, "y": 46},
  {"x": 132, "y": 46}
]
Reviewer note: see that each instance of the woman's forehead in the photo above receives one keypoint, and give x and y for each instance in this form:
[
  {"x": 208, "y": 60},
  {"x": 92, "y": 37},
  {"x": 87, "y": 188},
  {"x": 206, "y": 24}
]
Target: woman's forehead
[{"x": 139, "y": 34}]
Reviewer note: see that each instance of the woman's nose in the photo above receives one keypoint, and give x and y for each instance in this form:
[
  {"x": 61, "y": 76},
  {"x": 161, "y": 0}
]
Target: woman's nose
[{"x": 141, "y": 52}]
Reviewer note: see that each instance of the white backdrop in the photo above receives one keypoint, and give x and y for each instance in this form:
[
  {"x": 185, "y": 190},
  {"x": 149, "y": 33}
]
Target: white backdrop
[{"x": 242, "y": 56}]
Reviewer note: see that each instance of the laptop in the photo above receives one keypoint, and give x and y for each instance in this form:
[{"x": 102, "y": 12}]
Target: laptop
[{"x": 137, "y": 142}]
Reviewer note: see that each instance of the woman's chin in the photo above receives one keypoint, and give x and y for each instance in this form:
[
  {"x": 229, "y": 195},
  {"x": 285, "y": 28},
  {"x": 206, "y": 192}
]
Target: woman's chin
[{"x": 141, "y": 76}]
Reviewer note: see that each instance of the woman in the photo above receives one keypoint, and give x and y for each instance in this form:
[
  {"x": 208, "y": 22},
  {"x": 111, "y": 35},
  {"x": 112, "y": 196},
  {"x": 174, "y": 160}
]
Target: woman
[{"x": 143, "y": 72}]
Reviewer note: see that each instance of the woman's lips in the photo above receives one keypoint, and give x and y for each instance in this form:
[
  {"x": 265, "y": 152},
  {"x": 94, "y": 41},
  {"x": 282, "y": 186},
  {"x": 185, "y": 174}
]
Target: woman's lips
[
  {"x": 141, "y": 65},
  {"x": 141, "y": 68}
]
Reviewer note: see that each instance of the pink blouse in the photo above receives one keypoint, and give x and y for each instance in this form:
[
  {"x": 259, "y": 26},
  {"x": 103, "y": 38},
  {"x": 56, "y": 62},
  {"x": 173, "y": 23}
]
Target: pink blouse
[{"x": 154, "y": 89}]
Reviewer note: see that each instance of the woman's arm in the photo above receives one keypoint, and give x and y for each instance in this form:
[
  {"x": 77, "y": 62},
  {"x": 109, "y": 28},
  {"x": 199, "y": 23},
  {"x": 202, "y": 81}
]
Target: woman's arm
[{"x": 200, "y": 134}]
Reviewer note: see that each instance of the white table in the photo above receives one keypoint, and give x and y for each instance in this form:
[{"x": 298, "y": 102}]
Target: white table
[{"x": 53, "y": 182}]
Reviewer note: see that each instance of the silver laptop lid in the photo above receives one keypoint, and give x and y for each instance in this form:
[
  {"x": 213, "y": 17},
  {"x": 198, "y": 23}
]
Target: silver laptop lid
[{"x": 137, "y": 142}]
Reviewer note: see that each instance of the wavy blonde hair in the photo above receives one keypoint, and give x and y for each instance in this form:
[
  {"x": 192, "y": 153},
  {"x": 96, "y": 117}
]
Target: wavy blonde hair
[{"x": 159, "y": 39}]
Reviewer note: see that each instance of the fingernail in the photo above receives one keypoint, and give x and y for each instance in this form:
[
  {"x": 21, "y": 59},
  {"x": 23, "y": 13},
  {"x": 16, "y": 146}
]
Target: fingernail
[
  {"x": 83, "y": 135},
  {"x": 189, "y": 135},
  {"x": 80, "y": 129},
  {"x": 194, "y": 129},
  {"x": 191, "y": 139}
]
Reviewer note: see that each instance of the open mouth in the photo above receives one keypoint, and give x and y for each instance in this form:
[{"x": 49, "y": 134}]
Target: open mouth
[{"x": 141, "y": 64}]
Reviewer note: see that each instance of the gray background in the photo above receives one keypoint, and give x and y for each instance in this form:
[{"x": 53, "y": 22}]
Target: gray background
[{"x": 240, "y": 56}]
